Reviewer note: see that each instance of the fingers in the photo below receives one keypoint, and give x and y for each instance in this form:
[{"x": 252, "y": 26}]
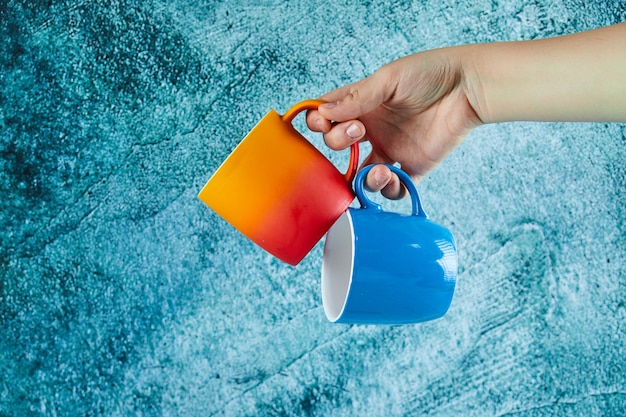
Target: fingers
[
  {"x": 380, "y": 178},
  {"x": 348, "y": 103},
  {"x": 339, "y": 120},
  {"x": 336, "y": 135},
  {"x": 319, "y": 123},
  {"x": 354, "y": 101},
  {"x": 342, "y": 135}
]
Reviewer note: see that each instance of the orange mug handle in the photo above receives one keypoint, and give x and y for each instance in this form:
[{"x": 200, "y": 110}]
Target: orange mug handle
[{"x": 313, "y": 105}]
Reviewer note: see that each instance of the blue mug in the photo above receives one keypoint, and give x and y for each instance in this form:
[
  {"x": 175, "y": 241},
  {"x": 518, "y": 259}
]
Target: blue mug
[{"x": 387, "y": 268}]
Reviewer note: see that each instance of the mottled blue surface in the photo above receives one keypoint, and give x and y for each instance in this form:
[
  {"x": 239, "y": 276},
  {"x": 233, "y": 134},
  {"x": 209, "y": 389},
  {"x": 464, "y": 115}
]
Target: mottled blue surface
[{"x": 121, "y": 294}]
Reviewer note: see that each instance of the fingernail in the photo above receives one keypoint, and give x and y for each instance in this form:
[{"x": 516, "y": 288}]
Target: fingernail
[
  {"x": 328, "y": 106},
  {"x": 379, "y": 178},
  {"x": 319, "y": 123},
  {"x": 353, "y": 131}
]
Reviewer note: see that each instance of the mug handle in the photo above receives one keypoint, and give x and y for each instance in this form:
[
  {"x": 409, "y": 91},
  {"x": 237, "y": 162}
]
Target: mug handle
[
  {"x": 406, "y": 180},
  {"x": 313, "y": 105}
]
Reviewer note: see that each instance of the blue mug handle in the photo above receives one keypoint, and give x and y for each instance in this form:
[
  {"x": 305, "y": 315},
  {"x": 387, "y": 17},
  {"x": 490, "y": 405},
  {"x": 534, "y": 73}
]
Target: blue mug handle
[{"x": 366, "y": 203}]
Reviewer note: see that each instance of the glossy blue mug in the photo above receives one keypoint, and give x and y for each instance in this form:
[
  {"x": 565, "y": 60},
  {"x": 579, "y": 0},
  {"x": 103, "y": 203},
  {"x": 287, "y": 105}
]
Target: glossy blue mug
[{"x": 387, "y": 268}]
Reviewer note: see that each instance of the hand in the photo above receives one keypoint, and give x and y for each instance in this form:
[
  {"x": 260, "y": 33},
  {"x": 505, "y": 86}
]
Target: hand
[
  {"x": 417, "y": 109},
  {"x": 413, "y": 111}
]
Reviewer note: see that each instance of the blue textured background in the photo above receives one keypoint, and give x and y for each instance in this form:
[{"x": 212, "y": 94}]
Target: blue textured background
[{"x": 121, "y": 294}]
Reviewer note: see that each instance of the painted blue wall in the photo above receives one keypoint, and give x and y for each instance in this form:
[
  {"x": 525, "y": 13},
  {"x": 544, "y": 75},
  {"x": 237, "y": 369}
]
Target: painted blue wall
[{"x": 122, "y": 294}]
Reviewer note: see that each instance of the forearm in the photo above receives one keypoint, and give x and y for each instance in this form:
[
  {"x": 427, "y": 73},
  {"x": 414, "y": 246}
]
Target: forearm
[{"x": 580, "y": 77}]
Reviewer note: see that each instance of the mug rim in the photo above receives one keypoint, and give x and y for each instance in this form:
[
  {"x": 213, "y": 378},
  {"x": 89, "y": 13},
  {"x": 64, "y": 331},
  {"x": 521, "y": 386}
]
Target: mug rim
[{"x": 335, "y": 294}]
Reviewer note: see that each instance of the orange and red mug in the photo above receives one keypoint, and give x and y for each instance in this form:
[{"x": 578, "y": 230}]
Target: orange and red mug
[{"x": 278, "y": 189}]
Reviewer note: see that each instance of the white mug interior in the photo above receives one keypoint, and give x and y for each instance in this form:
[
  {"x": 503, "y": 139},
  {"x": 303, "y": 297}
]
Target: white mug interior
[{"x": 337, "y": 266}]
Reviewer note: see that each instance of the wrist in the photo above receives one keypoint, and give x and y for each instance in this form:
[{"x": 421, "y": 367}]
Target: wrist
[{"x": 472, "y": 81}]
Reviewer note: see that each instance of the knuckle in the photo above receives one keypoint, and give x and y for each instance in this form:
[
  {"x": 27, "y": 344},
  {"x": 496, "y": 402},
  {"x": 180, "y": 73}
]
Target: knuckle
[{"x": 355, "y": 98}]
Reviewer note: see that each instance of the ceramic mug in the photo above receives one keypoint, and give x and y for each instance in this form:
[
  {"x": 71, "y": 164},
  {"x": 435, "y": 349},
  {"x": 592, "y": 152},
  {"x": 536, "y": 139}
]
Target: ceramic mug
[
  {"x": 387, "y": 268},
  {"x": 278, "y": 189}
]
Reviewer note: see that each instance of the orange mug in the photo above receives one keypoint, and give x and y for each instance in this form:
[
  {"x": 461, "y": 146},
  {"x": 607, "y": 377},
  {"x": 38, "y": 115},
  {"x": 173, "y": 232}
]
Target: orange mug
[{"x": 278, "y": 189}]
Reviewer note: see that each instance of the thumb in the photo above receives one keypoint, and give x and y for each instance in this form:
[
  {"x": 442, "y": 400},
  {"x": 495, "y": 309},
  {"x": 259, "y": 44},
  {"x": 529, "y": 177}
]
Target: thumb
[{"x": 353, "y": 101}]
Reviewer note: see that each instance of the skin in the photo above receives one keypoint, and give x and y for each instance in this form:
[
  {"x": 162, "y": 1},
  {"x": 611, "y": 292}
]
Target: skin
[{"x": 416, "y": 110}]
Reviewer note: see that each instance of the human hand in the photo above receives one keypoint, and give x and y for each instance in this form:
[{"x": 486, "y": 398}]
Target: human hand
[
  {"x": 413, "y": 111},
  {"x": 417, "y": 109}
]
